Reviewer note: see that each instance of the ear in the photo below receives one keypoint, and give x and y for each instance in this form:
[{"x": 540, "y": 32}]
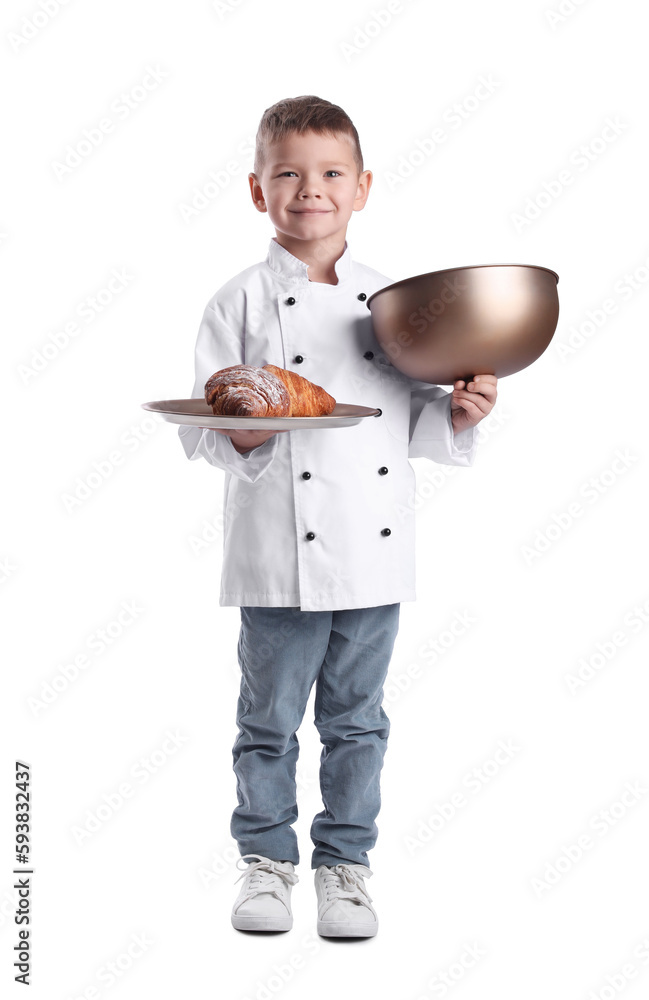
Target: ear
[
  {"x": 257, "y": 193},
  {"x": 363, "y": 190}
]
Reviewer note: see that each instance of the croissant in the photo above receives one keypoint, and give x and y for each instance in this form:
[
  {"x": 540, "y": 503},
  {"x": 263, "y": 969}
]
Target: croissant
[{"x": 250, "y": 391}]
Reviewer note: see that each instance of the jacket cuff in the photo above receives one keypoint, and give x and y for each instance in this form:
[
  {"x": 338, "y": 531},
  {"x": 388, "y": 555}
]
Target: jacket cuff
[
  {"x": 464, "y": 443},
  {"x": 435, "y": 438},
  {"x": 219, "y": 451}
]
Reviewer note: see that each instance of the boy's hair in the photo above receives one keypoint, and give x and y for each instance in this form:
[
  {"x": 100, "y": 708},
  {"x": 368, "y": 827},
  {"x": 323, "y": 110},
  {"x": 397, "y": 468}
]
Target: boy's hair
[{"x": 304, "y": 114}]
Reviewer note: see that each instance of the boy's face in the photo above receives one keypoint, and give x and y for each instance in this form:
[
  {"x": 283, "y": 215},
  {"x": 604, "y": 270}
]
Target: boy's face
[{"x": 310, "y": 186}]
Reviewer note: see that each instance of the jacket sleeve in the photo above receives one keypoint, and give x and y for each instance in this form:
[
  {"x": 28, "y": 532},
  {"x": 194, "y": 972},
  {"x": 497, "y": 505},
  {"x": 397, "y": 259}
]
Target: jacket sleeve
[
  {"x": 217, "y": 346},
  {"x": 431, "y": 429}
]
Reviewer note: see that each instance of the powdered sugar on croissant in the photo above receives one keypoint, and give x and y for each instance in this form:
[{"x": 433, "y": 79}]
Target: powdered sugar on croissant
[
  {"x": 307, "y": 398},
  {"x": 247, "y": 391}
]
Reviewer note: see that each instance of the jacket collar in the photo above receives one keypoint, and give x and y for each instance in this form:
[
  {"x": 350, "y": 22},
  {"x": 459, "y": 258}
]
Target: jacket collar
[{"x": 292, "y": 268}]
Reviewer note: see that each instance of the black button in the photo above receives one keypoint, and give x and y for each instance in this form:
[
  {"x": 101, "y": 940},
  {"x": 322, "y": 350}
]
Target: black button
[
  {"x": 306, "y": 475},
  {"x": 383, "y": 471},
  {"x": 362, "y": 296},
  {"x": 298, "y": 359},
  {"x": 290, "y": 301},
  {"x": 369, "y": 355},
  {"x": 386, "y": 531},
  {"x": 310, "y": 536}
]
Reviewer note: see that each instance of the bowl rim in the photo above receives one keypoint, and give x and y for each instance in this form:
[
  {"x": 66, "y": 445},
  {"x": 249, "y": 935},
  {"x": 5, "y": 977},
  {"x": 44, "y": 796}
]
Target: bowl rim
[{"x": 445, "y": 270}]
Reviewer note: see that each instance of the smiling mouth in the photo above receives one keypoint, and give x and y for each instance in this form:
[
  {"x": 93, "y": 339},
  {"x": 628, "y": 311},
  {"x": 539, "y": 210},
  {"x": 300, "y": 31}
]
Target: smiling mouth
[{"x": 312, "y": 211}]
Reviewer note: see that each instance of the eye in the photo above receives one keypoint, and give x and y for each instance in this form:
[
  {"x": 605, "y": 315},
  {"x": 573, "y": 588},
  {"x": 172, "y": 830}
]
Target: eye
[
  {"x": 287, "y": 172},
  {"x": 334, "y": 172}
]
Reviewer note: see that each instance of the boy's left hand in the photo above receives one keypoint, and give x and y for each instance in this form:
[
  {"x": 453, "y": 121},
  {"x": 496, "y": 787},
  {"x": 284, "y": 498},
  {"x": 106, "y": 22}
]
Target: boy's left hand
[{"x": 469, "y": 405}]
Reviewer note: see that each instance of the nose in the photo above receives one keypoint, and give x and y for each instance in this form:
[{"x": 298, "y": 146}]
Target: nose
[{"x": 309, "y": 188}]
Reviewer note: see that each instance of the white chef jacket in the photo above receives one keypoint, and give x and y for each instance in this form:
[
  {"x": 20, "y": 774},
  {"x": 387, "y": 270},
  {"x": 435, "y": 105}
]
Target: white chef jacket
[{"x": 319, "y": 519}]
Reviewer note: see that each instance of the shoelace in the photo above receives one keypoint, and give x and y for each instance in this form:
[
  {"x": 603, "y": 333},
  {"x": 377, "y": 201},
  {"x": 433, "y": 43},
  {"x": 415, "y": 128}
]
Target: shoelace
[
  {"x": 346, "y": 882},
  {"x": 266, "y": 875}
]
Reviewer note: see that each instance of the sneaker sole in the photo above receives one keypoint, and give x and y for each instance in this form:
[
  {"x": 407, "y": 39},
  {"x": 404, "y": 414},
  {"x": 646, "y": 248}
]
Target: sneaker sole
[
  {"x": 346, "y": 928},
  {"x": 248, "y": 922}
]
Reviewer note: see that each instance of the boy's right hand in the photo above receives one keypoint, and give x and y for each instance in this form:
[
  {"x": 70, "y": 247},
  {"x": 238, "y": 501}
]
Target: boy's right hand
[{"x": 243, "y": 440}]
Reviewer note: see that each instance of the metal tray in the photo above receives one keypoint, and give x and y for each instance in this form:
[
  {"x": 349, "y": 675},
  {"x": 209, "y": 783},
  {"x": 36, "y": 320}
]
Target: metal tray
[{"x": 197, "y": 413}]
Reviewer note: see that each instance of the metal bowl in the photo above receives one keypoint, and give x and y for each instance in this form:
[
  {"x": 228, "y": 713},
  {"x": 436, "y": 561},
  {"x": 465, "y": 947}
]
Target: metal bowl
[{"x": 486, "y": 319}]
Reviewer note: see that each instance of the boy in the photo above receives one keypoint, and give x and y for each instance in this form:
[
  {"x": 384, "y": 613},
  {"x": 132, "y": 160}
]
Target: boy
[{"x": 319, "y": 532}]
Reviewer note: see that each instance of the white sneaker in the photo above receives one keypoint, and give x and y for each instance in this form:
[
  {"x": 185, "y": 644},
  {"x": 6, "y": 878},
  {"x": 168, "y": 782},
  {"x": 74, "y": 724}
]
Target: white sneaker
[
  {"x": 264, "y": 903},
  {"x": 344, "y": 906}
]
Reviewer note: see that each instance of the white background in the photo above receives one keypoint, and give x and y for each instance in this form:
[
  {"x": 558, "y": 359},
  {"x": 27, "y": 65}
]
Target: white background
[{"x": 503, "y": 874}]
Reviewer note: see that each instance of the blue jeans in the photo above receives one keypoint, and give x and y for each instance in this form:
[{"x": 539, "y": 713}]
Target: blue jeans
[{"x": 282, "y": 651}]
